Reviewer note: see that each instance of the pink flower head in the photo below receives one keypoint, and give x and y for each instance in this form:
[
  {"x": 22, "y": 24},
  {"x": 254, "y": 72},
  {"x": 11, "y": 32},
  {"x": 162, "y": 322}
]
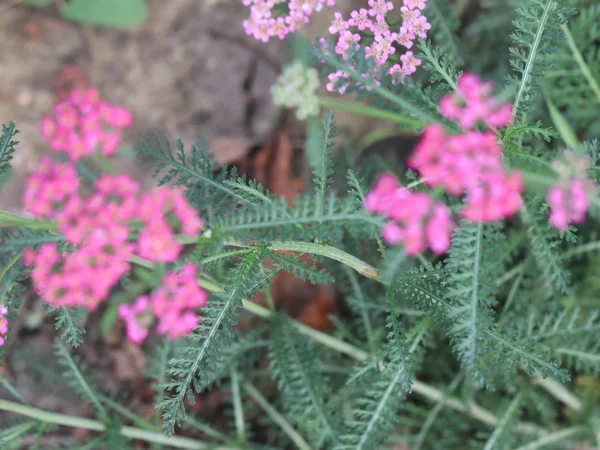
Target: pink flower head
[
  {"x": 157, "y": 242},
  {"x": 265, "y": 22},
  {"x": 413, "y": 4},
  {"x": 473, "y": 103},
  {"x": 3, "y": 324},
  {"x": 138, "y": 318},
  {"x": 49, "y": 188},
  {"x": 105, "y": 229},
  {"x": 83, "y": 123},
  {"x": 414, "y": 219},
  {"x": 338, "y": 24},
  {"x": 379, "y": 8},
  {"x": 360, "y": 19},
  {"x": 175, "y": 302}
]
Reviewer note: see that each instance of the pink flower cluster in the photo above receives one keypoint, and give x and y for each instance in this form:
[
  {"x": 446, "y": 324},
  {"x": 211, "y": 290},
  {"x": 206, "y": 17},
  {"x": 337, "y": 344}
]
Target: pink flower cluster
[
  {"x": 470, "y": 163},
  {"x": 84, "y": 123},
  {"x": 370, "y": 28},
  {"x": 269, "y": 18},
  {"x": 173, "y": 304},
  {"x": 474, "y": 103},
  {"x": 107, "y": 228},
  {"x": 569, "y": 200},
  {"x": 3, "y": 324},
  {"x": 415, "y": 219}
]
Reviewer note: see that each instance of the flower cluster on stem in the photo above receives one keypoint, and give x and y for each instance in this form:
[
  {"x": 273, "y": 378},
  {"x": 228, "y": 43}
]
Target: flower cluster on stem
[
  {"x": 414, "y": 219},
  {"x": 84, "y": 123},
  {"x": 470, "y": 163},
  {"x": 278, "y": 18},
  {"x": 173, "y": 305},
  {"x": 384, "y": 43},
  {"x": 104, "y": 230}
]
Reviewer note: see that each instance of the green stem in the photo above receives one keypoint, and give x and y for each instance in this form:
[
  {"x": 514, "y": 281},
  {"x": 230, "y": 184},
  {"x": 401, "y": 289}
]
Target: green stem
[
  {"x": 9, "y": 265},
  {"x": 240, "y": 423},
  {"x": 559, "y": 392},
  {"x": 581, "y": 62},
  {"x": 332, "y": 103},
  {"x": 276, "y": 417},
  {"x": 353, "y": 262},
  {"x": 318, "y": 336},
  {"x": 12, "y": 220},
  {"x": 88, "y": 424},
  {"x": 103, "y": 163},
  {"x": 554, "y": 438}
]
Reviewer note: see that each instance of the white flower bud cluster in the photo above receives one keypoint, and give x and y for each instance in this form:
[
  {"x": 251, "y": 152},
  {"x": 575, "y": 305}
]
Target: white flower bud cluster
[{"x": 296, "y": 88}]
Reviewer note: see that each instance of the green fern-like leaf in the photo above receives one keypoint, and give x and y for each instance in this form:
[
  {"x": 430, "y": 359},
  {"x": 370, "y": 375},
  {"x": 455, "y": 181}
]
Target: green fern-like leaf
[
  {"x": 544, "y": 241},
  {"x": 385, "y": 385},
  {"x": 441, "y": 67},
  {"x": 196, "y": 361},
  {"x": 7, "y": 146},
  {"x": 74, "y": 374},
  {"x": 296, "y": 368},
  {"x": 537, "y": 30},
  {"x": 502, "y": 435},
  {"x": 572, "y": 82},
  {"x": 196, "y": 171},
  {"x": 321, "y": 160},
  {"x": 502, "y": 351},
  {"x": 570, "y": 335},
  {"x": 280, "y": 221},
  {"x": 473, "y": 267},
  {"x": 444, "y": 25},
  {"x": 67, "y": 322}
]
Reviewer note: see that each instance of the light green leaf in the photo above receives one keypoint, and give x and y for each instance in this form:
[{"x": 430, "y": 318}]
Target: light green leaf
[
  {"x": 566, "y": 131},
  {"x": 110, "y": 13}
]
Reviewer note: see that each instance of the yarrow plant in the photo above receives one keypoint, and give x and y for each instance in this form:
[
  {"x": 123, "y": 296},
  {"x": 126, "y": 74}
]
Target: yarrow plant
[{"x": 465, "y": 269}]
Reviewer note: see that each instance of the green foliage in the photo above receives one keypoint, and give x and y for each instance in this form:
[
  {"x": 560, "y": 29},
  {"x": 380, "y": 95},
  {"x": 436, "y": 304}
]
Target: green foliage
[
  {"x": 384, "y": 386},
  {"x": 296, "y": 368},
  {"x": 7, "y": 146},
  {"x": 67, "y": 322},
  {"x": 440, "y": 351},
  {"x": 281, "y": 221},
  {"x": 572, "y": 336},
  {"x": 77, "y": 380},
  {"x": 537, "y": 30},
  {"x": 195, "y": 362},
  {"x": 545, "y": 242},
  {"x": 195, "y": 171},
  {"x": 439, "y": 64},
  {"x": 473, "y": 267},
  {"x": 444, "y": 25},
  {"x": 321, "y": 161},
  {"x": 502, "y": 436},
  {"x": 572, "y": 82}
]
